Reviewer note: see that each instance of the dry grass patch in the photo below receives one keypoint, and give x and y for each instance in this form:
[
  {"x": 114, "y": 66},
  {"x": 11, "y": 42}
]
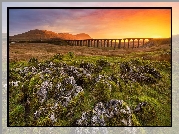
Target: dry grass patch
[{"x": 42, "y": 51}]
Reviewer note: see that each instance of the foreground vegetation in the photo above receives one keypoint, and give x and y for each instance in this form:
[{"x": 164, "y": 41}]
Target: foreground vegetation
[{"x": 74, "y": 90}]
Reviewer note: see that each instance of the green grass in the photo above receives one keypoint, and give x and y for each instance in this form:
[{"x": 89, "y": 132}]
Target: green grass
[{"x": 157, "y": 94}]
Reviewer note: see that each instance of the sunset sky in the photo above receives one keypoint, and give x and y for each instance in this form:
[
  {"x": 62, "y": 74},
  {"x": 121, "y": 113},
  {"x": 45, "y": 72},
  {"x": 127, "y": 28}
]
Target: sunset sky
[{"x": 98, "y": 23}]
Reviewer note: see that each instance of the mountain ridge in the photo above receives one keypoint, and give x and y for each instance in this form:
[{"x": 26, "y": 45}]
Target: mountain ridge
[{"x": 37, "y": 34}]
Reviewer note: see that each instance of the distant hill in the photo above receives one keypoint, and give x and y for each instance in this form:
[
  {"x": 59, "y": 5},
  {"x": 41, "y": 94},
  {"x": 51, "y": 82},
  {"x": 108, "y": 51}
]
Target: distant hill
[
  {"x": 45, "y": 35},
  {"x": 175, "y": 37},
  {"x": 4, "y": 34},
  {"x": 4, "y": 38},
  {"x": 82, "y": 36}
]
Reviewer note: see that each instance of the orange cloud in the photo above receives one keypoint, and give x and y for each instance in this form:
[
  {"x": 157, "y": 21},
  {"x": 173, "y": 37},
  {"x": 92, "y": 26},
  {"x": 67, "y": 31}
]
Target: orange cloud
[{"x": 136, "y": 23}]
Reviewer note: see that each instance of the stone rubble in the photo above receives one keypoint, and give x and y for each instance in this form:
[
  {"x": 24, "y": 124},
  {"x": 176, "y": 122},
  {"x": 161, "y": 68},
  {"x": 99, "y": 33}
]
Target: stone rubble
[{"x": 101, "y": 111}]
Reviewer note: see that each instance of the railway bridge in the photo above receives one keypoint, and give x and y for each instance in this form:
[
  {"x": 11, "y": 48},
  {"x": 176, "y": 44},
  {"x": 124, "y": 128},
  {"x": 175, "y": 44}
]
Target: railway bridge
[{"x": 116, "y": 43}]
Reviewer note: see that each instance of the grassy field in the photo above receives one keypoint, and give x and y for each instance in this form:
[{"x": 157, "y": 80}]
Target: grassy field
[
  {"x": 53, "y": 85},
  {"x": 43, "y": 51}
]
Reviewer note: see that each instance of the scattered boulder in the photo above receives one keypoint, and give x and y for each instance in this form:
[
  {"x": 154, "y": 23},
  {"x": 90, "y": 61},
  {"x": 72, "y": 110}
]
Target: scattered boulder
[{"x": 137, "y": 73}]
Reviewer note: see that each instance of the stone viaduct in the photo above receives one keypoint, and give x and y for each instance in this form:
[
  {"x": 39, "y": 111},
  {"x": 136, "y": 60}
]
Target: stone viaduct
[{"x": 116, "y": 43}]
